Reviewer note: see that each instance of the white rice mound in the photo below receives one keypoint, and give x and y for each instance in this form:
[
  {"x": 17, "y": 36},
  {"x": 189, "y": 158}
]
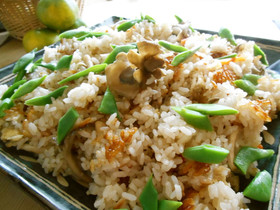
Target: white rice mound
[{"x": 154, "y": 135}]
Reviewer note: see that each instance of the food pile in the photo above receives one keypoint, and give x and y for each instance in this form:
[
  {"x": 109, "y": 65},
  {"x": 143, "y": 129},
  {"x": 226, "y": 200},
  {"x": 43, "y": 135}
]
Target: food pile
[{"x": 147, "y": 115}]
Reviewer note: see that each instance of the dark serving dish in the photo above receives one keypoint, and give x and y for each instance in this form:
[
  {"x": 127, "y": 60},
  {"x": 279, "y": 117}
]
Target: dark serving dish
[{"x": 54, "y": 195}]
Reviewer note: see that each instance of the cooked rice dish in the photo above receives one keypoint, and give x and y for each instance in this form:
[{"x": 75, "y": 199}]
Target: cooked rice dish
[{"x": 115, "y": 154}]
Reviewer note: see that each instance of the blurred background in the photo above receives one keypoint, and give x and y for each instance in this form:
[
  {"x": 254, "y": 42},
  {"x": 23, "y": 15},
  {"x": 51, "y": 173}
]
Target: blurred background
[{"x": 254, "y": 18}]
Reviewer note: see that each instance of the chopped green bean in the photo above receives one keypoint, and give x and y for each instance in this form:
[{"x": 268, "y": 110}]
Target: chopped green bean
[
  {"x": 27, "y": 87},
  {"x": 225, "y": 33},
  {"x": 20, "y": 75},
  {"x": 33, "y": 65},
  {"x": 246, "y": 85},
  {"x": 24, "y": 61},
  {"x": 64, "y": 62},
  {"x": 180, "y": 20},
  {"x": 148, "y": 18},
  {"x": 50, "y": 66},
  {"x": 66, "y": 123},
  {"x": 228, "y": 56},
  {"x": 10, "y": 91},
  {"x": 47, "y": 99},
  {"x": 5, "y": 104},
  {"x": 148, "y": 197},
  {"x": 247, "y": 155},
  {"x": 252, "y": 78},
  {"x": 260, "y": 187},
  {"x": 92, "y": 34},
  {"x": 181, "y": 57},
  {"x": 108, "y": 104},
  {"x": 96, "y": 69},
  {"x": 169, "y": 205},
  {"x": 73, "y": 33},
  {"x": 206, "y": 153},
  {"x": 112, "y": 56},
  {"x": 194, "y": 118},
  {"x": 173, "y": 47},
  {"x": 212, "y": 109},
  {"x": 128, "y": 24},
  {"x": 258, "y": 51}
]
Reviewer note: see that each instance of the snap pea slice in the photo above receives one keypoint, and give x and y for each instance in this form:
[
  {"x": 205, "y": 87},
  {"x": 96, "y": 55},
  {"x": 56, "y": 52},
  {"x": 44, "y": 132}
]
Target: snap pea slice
[
  {"x": 112, "y": 56},
  {"x": 169, "y": 205},
  {"x": 73, "y": 33},
  {"x": 181, "y": 57},
  {"x": 260, "y": 187},
  {"x": 5, "y": 104},
  {"x": 92, "y": 34},
  {"x": 128, "y": 24},
  {"x": 108, "y": 104},
  {"x": 206, "y": 153},
  {"x": 253, "y": 78},
  {"x": 10, "y": 91},
  {"x": 96, "y": 69},
  {"x": 180, "y": 20},
  {"x": 225, "y": 33},
  {"x": 258, "y": 51},
  {"x": 212, "y": 109},
  {"x": 47, "y": 99},
  {"x": 27, "y": 87},
  {"x": 228, "y": 56},
  {"x": 173, "y": 47},
  {"x": 64, "y": 62},
  {"x": 247, "y": 155},
  {"x": 194, "y": 118},
  {"x": 24, "y": 61},
  {"x": 66, "y": 123},
  {"x": 148, "y": 197},
  {"x": 246, "y": 85}
]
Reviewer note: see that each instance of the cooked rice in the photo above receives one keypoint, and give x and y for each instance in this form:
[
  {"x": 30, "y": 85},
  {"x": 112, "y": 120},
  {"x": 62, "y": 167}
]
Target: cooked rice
[{"x": 155, "y": 136}]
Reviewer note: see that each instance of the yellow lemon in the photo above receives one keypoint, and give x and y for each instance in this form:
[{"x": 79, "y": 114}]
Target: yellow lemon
[
  {"x": 57, "y": 14},
  {"x": 38, "y": 38}
]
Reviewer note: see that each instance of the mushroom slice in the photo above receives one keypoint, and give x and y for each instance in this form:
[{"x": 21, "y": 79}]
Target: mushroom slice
[
  {"x": 78, "y": 174},
  {"x": 120, "y": 77}
]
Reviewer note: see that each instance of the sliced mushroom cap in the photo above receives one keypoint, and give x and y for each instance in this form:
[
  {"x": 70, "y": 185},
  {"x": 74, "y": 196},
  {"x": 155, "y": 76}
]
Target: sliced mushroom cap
[
  {"x": 120, "y": 77},
  {"x": 78, "y": 174}
]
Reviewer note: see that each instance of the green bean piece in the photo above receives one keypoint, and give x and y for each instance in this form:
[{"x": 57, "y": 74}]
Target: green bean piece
[
  {"x": 169, "y": 205},
  {"x": 66, "y": 123},
  {"x": 148, "y": 197},
  {"x": 49, "y": 66},
  {"x": 24, "y": 61},
  {"x": 206, "y": 153},
  {"x": 92, "y": 34},
  {"x": 181, "y": 57},
  {"x": 20, "y": 75},
  {"x": 173, "y": 47},
  {"x": 252, "y": 78},
  {"x": 64, "y": 62},
  {"x": 112, "y": 56},
  {"x": 47, "y": 99},
  {"x": 260, "y": 187},
  {"x": 73, "y": 33},
  {"x": 192, "y": 29},
  {"x": 148, "y": 18},
  {"x": 180, "y": 20},
  {"x": 225, "y": 33},
  {"x": 228, "y": 56},
  {"x": 108, "y": 104},
  {"x": 27, "y": 87},
  {"x": 6, "y": 104},
  {"x": 246, "y": 85},
  {"x": 247, "y": 155},
  {"x": 258, "y": 51},
  {"x": 96, "y": 69},
  {"x": 128, "y": 24},
  {"x": 33, "y": 65},
  {"x": 194, "y": 118},
  {"x": 212, "y": 109},
  {"x": 10, "y": 91}
]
